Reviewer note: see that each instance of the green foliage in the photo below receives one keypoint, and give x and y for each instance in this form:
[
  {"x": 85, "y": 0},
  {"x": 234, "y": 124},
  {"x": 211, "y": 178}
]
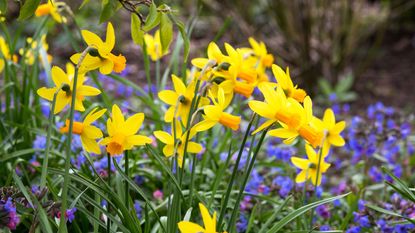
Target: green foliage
[{"x": 28, "y": 9}]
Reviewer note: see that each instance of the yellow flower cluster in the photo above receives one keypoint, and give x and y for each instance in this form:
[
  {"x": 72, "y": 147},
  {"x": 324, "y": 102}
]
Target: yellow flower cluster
[
  {"x": 211, "y": 87},
  {"x": 121, "y": 132},
  {"x": 286, "y": 105}
]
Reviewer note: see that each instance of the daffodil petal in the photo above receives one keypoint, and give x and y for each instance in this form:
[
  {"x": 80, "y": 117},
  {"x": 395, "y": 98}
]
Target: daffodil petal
[
  {"x": 90, "y": 145},
  {"x": 164, "y": 137},
  {"x": 189, "y": 227},
  {"x": 300, "y": 163},
  {"x": 92, "y": 132},
  {"x": 169, "y": 97},
  {"x": 92, "y": 39},
  {"x": 133, "y": 123}
]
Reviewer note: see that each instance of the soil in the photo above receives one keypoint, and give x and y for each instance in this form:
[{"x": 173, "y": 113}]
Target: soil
[{"x": 390, "y": 78}]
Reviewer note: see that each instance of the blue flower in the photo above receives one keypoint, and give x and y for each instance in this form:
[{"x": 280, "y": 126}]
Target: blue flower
[{"x": 138, "y": 209}]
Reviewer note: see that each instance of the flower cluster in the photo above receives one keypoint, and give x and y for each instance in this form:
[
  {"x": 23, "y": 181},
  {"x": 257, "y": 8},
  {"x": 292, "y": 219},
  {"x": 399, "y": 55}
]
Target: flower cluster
[
  {"x": 9, "y": 217},
  {"x": 121, "y": 132}
]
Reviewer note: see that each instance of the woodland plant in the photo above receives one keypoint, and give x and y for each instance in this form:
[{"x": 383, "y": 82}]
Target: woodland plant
[{"x": 210, "y": 138}]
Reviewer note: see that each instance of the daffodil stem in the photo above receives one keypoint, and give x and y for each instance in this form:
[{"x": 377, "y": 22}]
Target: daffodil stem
[
  {"x": 48, "y": 139},
  {"x": 158, "y": 74},
  {"x": 235, "y": 170},
  {"x": 109, "y": 184},
  {"x": 316, "y": 184},
  {"x": 245, "y": 180},
  {"x": 147, "y": 69},
  {"x": 126, "y": 168},
  {"x": 66, "y": 179}
]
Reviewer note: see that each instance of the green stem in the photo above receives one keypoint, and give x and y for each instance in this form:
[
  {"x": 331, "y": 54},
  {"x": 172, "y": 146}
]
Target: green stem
[
  {"x": 316, "y": 184},
  {"x": 66, "y": 180},
  {"x": 245, "y": 181},
  {"x": 158, "y": 74},
  {"x": 109, "y": 185},
  {"x": 126, "y": 168},
  {"x": 147, "y": 69},
  {"x": 47, "y": 149},
  {"x": 235, "y": 170}
]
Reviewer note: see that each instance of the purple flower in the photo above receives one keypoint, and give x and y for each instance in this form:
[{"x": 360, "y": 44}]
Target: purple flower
[{"x": 323, "y": 211}]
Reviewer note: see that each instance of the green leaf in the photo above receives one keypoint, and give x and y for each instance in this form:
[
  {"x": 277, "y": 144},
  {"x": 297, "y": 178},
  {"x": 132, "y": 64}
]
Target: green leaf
[
  {"x": 388, "y": 212},
  {"x": 28, "y": 9},
  {"x": 84, "y": 3},
  {"x": 403, "y": 188},
  {"x": 325, "y": 86},
  {"x": 275, "y": 214},
  {"x": 3, "y": 6},
  {"x": 166, "y": 32},
  {"x": 345, "y": 83},
  {"x": 137, "y": 34},
  {"x": 185, "y": 38},
  {"x": 109, "y": 7},
  {"x": 44, "y": 221},
  {"x": 300, "y": 211},
  {"x": 153, "y": 18}
]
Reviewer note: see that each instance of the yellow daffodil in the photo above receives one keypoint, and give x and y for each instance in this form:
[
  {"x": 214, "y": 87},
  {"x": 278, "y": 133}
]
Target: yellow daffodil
[
  {"x": 214, "y": 114},
  {"x": 285, "y": 82},
  {"x": 214, "y": 54},
  {"x": 243, "y": 68},
  {"x": 52, "y": 8},
  {"x": 101, "y": 57},
  {"x": 168, "y": 140},
  {"x": 63, "y": 84},
  {"x": 332, "y": 130},
  {"x": 276, "y": 108},
  {"x": 4, "y": 53},
  {"x": 303, "y": 126},
  {"x": 122, "y": 133},
  {"x": 89, "y": 133},
  {"x": 153, "y": 45},
  {"x": 309, "y": 166},
  {"x": 208, "y": 222},
  {"x": 29, "y": 54},
  {"x": 180, "y": 99},
  {"x": 260, "y": 51}
]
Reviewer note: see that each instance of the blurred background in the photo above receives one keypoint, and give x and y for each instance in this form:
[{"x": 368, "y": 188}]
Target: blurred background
[{"x": 343, "y": 51}]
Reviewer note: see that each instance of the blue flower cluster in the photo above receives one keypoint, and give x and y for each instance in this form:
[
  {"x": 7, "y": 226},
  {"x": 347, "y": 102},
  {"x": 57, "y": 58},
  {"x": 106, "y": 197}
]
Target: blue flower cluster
[
  {"x": 381, "y": 136},
  {"x": 8, "y": 214}
]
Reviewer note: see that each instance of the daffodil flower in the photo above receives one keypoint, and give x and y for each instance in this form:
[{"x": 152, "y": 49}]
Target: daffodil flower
[
  {"x": 209, "y": 223},
  {"x": 332, "y": 129},
  {"x": 260, "y": 51},
  {"x": 101, "y": 56},
  {"x": 214, "y": 54},
  {"x": 215, "y": 113},
  {"x": 169, "y": 148},
  {"x": 122, "y": 133},
  {"x": 276, "y": 108},
  {"x": 243, "y": 68},
  {"x": 29, "y": 53},
  {"x": 5, "y": 54},
  {"x": 51, "y": 8},
  {"x": 89, "y": 133},
  {"x": 285, "y": 82},
  {"x": 303, "y": 126},
  {"x": 180, "y": 99},
  {"x": 309, "y": 167},
  {"x": 153, "y": 45},
  {"x": 63, "y": 85}
]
